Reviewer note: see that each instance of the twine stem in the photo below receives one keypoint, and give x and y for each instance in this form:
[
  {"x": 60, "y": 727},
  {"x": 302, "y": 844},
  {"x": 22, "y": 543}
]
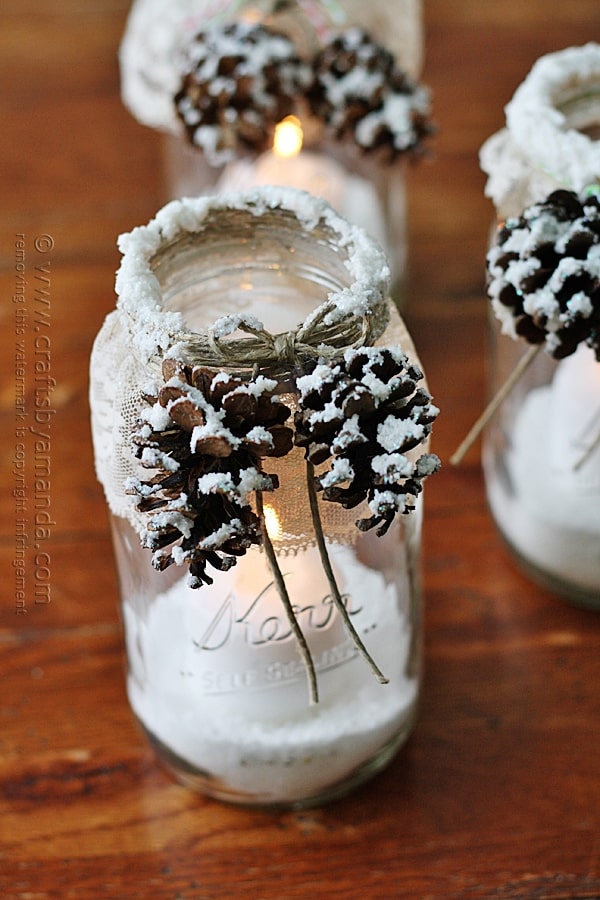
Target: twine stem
[
  {"x": 326, "y": 562},
  {"x": 316, "y": 338},
  {"x": 494, "y": 403},
  {"x": 287, "y": 604}
]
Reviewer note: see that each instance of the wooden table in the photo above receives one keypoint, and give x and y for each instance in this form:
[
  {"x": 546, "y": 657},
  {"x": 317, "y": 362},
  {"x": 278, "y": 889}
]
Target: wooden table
[{"x": 497, "y": 793}]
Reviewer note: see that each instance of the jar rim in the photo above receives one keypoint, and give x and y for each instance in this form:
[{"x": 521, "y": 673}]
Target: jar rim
[
  {"x": 155, "y": 330},
  {"x": 538, "y": 121}
]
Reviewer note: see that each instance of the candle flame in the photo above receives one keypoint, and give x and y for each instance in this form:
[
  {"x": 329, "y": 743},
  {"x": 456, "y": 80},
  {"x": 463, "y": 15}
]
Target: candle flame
[
  {"x": 288, "y": 137},
  {"x": 272, "y": 523}
]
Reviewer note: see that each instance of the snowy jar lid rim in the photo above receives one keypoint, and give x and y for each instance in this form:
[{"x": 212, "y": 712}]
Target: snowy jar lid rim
[
  {"x": 357, "y": 310},
  {"x": 538, "y": 121}
]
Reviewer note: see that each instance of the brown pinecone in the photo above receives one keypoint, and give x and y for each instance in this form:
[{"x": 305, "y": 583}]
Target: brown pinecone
[
  {"x": 365, "y": 413},
  {"x": 242, "y": 79},
  {"x": 543, "y": 273},
  {"x": 361, "y": 93},
  {"x": 205, "y": 436}
]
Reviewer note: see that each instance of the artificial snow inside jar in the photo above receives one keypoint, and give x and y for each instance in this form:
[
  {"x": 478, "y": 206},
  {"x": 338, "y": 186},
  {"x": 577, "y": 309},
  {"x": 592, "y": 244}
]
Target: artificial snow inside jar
[
  {"x": 303, "y": 93},
  {"x": 261, "y": 430},
  {"x": 541, "y": 453}
]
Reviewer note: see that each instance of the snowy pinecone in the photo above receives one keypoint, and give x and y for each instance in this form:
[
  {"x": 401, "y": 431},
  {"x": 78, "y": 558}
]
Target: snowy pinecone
[
  {"x": 365, "y": 413},
  {"x": 205, "y": 436},
  {"x": 361, "y": 93},
  {"x": 544, "y": 273},
  {"x": 241, "y": 80}
]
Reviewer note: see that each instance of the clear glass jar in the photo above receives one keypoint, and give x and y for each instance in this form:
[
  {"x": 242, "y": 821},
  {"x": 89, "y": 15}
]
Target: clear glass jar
[
  {"x": 541, "y": 453},
  {"x": 365, "y": 190},
  {"x": 215, "y": 676}
]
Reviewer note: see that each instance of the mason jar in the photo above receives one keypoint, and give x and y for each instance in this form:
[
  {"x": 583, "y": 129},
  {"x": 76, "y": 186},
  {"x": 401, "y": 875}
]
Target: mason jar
[
  {"x": 216, "y": 675},
  {"x": 277, "y": 131},
  {"x": 541, "y": 453}
]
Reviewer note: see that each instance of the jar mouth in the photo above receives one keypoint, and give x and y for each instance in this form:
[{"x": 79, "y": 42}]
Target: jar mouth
[
  {"x": 240, "y": 262},
  {"x": 554, "y": 116},
  {"x": 236, "y": 255}
]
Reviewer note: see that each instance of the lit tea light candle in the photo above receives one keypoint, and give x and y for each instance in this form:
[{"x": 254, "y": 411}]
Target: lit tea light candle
[{"x": 288, "y": 164}]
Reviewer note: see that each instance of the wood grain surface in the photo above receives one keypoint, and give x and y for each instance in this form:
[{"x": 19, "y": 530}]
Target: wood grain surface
[{"x": 497, "y": 793}]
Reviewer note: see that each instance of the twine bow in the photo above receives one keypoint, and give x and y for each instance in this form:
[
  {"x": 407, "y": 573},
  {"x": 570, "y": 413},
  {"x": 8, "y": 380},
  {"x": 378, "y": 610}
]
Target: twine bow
[{"x": 323, "y": 335}]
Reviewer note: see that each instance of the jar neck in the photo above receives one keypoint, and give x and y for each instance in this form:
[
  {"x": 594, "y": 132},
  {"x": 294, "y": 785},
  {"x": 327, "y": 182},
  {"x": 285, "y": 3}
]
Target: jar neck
[
  {"x": 272, "y": 262},
  {"x": 267, "y": 266},
  {"x": 306, "y": 22}
]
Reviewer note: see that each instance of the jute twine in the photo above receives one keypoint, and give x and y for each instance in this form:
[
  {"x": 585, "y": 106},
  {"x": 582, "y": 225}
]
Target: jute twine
[{"x": 313, "y": 339}]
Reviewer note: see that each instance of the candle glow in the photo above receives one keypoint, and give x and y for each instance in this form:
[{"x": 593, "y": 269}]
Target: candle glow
[
  {"x": 288, "y": 137},
  {"x": 289, "y": 163},
  {"x": 272, "y": 523}
]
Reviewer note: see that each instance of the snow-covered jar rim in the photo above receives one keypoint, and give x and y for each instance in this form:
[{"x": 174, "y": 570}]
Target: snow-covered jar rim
[
  {"x": 157, "y": 33},
  {"x": 544, "y": 145},
  {"x": 353, "y": 312}
]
